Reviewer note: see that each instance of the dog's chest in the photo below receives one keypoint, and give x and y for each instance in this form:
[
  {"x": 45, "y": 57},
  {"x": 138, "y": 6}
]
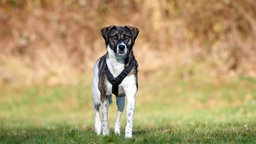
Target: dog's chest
[
  {"x": 115, "y": 67},
  {"x": 108, "y": 88}
]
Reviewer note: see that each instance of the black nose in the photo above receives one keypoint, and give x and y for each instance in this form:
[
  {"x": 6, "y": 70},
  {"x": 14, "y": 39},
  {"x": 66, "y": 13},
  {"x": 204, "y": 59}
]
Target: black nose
[{"x": 121, "y": 47}]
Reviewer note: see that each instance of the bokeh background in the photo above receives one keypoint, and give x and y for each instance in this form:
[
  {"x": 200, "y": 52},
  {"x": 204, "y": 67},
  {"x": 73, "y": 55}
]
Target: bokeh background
[
  {"x": 54, "y": 42},
  {"x": 196, "y": 62}
]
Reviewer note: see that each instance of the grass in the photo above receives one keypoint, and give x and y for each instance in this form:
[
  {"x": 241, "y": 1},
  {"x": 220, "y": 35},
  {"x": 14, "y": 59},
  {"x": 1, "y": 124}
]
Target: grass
[
  {"x": 181, "y": 111},
  {"x": 187, "y": 133}
]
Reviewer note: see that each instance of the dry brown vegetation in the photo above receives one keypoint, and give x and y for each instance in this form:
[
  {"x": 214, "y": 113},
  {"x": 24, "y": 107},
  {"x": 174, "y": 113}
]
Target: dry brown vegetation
[{"x": 45, "y": 41}]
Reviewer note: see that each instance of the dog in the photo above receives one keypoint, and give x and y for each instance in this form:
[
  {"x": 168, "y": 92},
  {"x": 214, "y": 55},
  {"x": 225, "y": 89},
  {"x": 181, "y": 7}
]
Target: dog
[{"x": 116, "y": 73}]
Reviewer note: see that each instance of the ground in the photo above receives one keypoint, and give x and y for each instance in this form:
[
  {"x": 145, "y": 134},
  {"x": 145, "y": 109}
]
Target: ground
[{"x": 182, "y": 111}]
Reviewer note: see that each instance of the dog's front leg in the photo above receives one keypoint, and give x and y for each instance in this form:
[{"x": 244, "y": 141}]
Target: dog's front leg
[
  {"x": 104, "y": 123},
  {"x": 130, "y": 92},
  {"x": 130, "y": 114}
]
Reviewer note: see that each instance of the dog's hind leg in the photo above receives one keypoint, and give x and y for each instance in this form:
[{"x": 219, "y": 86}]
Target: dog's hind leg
[
  {"x": 120, "y": 101},
  {"x": 96, "y": 99},
  {"x": 97, "y": 124},
  {"x": 104, "y": 110}
]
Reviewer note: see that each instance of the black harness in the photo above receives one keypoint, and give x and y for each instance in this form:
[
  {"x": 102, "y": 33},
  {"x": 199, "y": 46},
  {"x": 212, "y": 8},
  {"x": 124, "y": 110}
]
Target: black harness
[{"x": 116, "y": 81}]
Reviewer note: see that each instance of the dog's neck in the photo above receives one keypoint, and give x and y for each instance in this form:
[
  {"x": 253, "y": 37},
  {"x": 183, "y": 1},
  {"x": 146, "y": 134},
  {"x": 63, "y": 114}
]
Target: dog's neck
[{"x": 116, "y": 63}]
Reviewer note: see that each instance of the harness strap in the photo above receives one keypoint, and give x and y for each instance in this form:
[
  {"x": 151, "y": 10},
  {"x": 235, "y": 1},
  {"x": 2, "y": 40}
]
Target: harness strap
[{"x": 116, "y": 81}]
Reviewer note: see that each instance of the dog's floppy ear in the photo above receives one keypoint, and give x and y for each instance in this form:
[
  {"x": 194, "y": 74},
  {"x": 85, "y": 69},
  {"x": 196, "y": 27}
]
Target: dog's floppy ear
[
  {"x": 135, "y": 31},
  {"x": 105, "y": 31}
]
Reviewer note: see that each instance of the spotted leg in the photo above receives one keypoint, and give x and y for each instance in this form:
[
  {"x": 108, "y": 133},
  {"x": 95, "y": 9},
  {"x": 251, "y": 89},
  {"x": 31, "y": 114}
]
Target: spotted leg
[
  {"x": 97, "y": 124},
  {"x": 130, "y": 92},
  {"x": 104, "y": 110}
]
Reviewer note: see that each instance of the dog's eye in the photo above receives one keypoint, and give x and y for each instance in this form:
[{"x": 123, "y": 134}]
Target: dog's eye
[
  {"x": 114, "y": 37},
  {"x": 126, "y": 37}
]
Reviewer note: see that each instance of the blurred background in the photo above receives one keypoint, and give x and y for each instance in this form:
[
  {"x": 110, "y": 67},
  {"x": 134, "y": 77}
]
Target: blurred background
[
  {"x": 196, "y": 59},
  {"x": 56, "y": 42}
]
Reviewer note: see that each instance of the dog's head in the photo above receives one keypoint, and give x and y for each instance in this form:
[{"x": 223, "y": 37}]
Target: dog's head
[{"x": 120, "y": 38}]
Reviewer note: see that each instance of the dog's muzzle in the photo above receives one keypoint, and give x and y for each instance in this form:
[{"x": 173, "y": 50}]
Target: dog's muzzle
[{"x": 121, "y": 49}]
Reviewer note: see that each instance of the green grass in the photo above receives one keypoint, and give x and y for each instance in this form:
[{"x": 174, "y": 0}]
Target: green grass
[
  {"x": 187, "y": 133},
  {"x": 180, "y": 111}
]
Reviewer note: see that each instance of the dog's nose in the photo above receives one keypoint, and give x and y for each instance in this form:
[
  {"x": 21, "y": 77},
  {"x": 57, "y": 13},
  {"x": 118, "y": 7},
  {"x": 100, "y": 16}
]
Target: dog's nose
[{"x": 121, "y": 47}]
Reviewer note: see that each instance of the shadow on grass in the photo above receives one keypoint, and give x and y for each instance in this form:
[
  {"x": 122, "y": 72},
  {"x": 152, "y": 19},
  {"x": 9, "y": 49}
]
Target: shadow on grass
[{"x": 140, "y": 132}]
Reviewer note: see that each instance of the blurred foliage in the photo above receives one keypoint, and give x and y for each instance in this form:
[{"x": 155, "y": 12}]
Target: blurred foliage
[{"x": 44, "y": 40}]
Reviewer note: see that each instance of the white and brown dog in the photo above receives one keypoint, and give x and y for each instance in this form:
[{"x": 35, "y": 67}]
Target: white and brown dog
[{"x": 116, "y": 73}]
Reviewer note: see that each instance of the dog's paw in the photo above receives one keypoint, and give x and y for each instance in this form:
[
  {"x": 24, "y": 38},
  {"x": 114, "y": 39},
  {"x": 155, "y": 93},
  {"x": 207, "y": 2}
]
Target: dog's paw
[
  {"x": 117, "y": 131},
  {"x": 98, "y": 128},
  {"x": 117, "y": 128},
  {"x": 105, "y": 132},
  {"x": 98, "y": 132},
  {"x": 128, "y": 134}
]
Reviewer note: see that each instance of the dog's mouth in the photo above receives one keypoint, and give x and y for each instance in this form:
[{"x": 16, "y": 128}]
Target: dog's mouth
[{"x": 121, "y": 53}]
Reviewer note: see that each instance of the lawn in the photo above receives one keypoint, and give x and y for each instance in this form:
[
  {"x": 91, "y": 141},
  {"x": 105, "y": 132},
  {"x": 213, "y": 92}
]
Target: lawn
[{"x": 180, "y": 111}]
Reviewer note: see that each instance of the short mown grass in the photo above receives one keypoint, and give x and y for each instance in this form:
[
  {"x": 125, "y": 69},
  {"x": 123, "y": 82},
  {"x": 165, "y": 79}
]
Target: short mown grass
[
  {"x": 167, "y": 112},
  {"x": 186, "y": 133}
]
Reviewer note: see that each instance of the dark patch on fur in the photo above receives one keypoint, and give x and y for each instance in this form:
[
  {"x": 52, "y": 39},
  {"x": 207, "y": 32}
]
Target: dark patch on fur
[
  {"x": 102, "y": 79},
  {"x": 113, "y": 35}
]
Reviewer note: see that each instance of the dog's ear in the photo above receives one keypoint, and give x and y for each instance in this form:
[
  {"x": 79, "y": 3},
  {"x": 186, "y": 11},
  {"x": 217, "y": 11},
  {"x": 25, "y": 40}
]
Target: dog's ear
[
  {"x": 135, "y": 31},
  {"x": 105, "y": 31}
]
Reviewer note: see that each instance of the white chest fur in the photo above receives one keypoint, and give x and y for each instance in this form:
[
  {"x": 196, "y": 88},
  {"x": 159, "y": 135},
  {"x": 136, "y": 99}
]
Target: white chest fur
[
  {"x": 116, "y": 66},
  {"x": 115, "y": 63}
]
